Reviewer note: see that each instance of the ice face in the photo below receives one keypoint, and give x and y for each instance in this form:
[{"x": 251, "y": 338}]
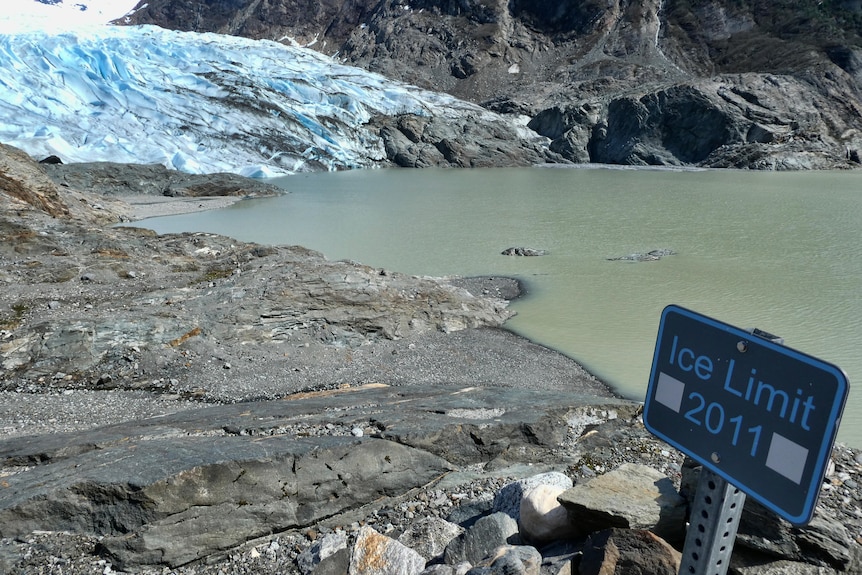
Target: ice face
[{"x": 199, "y": 103}]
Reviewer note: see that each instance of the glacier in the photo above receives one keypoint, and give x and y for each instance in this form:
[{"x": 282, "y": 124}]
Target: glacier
[
  {"x": 61, "y": 15},
  {"x": 198, "y": 103}
]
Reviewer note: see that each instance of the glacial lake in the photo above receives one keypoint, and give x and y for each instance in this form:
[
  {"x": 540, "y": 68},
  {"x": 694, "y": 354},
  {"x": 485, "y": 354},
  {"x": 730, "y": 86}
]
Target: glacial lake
[{"x": 781, "y": 252}]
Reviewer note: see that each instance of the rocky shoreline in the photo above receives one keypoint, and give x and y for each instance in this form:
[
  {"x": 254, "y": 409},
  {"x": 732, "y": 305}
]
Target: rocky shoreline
[{"x": 191, "y": 404}]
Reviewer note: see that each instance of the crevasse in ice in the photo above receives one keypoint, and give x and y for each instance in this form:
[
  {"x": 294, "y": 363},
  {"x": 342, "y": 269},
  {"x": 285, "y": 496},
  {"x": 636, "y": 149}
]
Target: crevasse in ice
[{"x": 200, "y": 103}]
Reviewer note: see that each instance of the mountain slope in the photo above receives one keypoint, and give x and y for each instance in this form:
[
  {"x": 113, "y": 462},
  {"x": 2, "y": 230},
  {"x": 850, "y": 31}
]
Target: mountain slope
[{"x": 796, "y": 62}]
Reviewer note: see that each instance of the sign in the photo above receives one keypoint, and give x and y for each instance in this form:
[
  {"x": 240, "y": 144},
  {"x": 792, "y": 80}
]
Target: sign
[{"x": 761, "y": 415}]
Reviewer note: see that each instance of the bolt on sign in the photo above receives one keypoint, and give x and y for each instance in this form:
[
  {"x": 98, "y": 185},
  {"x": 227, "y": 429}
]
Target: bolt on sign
[{"x": 761, "y": 415}]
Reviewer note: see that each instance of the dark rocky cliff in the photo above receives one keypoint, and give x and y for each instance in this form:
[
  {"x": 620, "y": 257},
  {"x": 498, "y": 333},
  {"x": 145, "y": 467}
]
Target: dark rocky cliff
[{"x": 722, "y": 83}]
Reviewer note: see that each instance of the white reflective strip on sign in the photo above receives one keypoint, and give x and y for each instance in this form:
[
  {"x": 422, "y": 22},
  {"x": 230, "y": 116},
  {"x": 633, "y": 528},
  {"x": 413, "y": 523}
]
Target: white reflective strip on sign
[
  {"x": 669, "y": 391},
  {"x": 787, "y": 458}
]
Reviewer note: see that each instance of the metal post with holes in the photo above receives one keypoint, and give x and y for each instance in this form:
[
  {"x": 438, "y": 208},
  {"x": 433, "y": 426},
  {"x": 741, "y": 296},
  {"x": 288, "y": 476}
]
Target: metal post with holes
[
  {"x": 716, "y": 511},
  {"x": 712, "y": 526}
]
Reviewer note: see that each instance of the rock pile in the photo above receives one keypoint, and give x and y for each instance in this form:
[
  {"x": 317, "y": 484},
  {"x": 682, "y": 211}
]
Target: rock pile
[{"x": 379, "y": 480}]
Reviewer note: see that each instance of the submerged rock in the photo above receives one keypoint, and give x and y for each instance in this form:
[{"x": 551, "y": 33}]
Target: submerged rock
[
  {"x": 650, "y": 256},
  {"x": 517, "y": 251}
]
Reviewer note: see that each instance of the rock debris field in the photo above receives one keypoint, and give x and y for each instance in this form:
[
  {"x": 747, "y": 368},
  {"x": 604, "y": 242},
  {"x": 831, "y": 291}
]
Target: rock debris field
[{"x": 192, "y": 404}]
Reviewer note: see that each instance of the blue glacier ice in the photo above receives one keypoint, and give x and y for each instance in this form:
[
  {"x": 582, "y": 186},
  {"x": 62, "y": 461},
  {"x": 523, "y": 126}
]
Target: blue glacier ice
[{"x": 200, "y": 103}]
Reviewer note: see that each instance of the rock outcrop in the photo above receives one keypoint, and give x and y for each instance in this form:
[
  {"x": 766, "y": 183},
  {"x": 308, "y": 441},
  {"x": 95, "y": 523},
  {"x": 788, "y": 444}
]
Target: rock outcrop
[
  {"x": 481, "y": 140},
  {"x": 751, "y": 85},
  {"x": 520, "y": 251},
  {"x": 111, "y": 179},
  {"x": 159, "y": 489},
  {"x": 650, "y": 256}
]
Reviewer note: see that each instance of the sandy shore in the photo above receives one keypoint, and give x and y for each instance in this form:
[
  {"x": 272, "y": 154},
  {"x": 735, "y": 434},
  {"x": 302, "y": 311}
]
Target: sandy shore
[{"x": 143, "y": 207}]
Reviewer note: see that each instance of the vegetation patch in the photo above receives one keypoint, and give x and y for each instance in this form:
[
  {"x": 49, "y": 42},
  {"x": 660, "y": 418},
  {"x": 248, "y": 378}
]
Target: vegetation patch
[
  {"x": 111, "y": 253},
  {"x": 214, "y": 274},
  {"x": 178, "y": 341},
  {"x": 13, "y": 319}
]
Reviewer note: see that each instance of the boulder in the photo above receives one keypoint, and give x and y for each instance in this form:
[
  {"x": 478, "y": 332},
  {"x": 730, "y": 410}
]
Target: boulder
[
  {"x": 443, "y": 569},
  {"x": 510, "y": 498},
  {"x": 542, "y": 517},
  {"x": 510, "y": 560},
  {"x": 468, "y": 512},
  {"x": 632, "y": 496},
  {"x": 429, "y": 536},
  {"x": 328, "y": 555},
  {"x": 823, "y": 542},
  {"x": 376, "y": 554},
  {"x": 628, "y": 552},
  {"x": 480, "y": 540},
  {"x": 650, "y": 256},
  {"x": 782, "y": 567}
]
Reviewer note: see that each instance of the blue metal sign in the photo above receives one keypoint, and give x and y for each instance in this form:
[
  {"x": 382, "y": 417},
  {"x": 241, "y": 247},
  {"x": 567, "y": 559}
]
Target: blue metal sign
[{"x": 761, "y": 415}]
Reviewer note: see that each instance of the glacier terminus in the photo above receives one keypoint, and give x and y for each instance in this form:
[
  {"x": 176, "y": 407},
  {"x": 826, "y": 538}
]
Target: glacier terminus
[{"x": 200, "y": 103}]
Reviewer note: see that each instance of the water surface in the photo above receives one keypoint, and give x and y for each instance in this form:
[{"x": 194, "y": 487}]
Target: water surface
[{"x": 776, "y": 251}]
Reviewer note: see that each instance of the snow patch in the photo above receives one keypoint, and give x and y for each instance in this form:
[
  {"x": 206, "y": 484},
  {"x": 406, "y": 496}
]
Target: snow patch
[{"x": 60, "y": 15}]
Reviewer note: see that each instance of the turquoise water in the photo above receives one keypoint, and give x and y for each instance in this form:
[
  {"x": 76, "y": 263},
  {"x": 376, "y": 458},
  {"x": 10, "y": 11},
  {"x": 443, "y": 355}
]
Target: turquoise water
[{"x": 776, "y": 251}]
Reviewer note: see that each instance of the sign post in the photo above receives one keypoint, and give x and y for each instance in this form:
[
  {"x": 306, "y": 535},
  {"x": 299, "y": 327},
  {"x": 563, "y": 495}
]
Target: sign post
[
  {"x": 760, "y": 417},
  {"x": 712, "y": 527}
]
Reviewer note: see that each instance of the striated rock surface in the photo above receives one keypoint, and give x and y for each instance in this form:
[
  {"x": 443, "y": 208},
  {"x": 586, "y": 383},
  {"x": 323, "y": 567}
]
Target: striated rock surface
[
  {"x": 159, "y": 489},
  {"x": 478, "y": 140}
]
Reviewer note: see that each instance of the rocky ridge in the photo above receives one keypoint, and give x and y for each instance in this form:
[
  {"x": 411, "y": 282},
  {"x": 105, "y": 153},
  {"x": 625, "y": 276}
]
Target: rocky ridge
[
  {"x": 754, "y": 85},
  {"x": 191, "y": 404}
]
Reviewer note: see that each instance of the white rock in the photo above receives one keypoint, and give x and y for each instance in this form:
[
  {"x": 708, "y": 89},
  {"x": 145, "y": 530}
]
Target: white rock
[
  {"x": 542, "y": 516},
  {"x": 508, "y": 499}
]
